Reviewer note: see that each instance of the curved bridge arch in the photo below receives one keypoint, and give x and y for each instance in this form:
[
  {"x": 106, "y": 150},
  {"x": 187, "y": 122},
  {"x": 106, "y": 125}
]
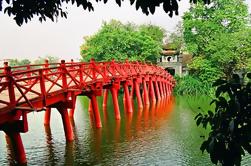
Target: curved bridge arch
[{"x": 24, "y": 89}]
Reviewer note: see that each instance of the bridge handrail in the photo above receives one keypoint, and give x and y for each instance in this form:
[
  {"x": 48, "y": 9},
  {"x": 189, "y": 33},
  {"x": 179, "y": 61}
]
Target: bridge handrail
[{"x": 19, "y": 85}]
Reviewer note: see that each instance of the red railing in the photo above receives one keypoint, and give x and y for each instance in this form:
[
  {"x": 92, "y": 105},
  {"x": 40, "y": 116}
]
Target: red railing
[{"x": 26, "y": 85}]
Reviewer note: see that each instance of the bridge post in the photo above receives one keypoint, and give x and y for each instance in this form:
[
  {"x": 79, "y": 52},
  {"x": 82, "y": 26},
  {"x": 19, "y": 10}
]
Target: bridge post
[
  {"x": 160, "y": 89},
  {"x": 132, "y": 91},
  {"x": 114, "y": 91},
  {"x": 167, "y": 89},
  {"x": 157, "y": 90},
  {"x": 90, "y": 106},
  {"x": 47, "y": 116},
  {"x": 137, "y": 91},
  {"x": 95, "y": 110},
  {"x": 145, "y": 91},
  {"x": 128, "y": 101},
  {"x": 73, "y": 101},
  {"x": 12, "y": 130},
  {"x": 105, "y": 98},
  {"x": 28, "y": 67},
  {"x": 11, "y": 90},
  {"x": 46, "y": 65},
  {"x": 66, "y": 123},
  {"x": 151, "y": 91},
  {"x": 63, "y": 70},
  {"x": 163, "y": 88},
  {"x": 17, "y": 146}
]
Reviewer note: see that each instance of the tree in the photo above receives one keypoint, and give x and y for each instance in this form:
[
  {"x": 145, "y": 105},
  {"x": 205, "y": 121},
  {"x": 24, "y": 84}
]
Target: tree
[
  {"x": 16, "y": 62},
  {"x": 175, "y": 40},
  {"x": 23, "y": 11},
  {"x": 219, "y": 33},
  {"x": 236, "y": 48},
  {"x": 230, "y": 124},
  {"x": 123, "y": 41},
  {"x": 203, "y": 23},
  {"x": 51, "y": 59}
]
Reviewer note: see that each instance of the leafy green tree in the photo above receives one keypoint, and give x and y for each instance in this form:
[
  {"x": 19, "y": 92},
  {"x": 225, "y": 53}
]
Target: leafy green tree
[
  {"x": 123, "y": 41},
  {"x": 230, "y": 123},
  {"x": 219, "y": 33},
  {"x": 51, "y": 59},
  {"x": 16, "y": 62},
  {"x": 203, "y": 23},
  {"x": 204, "y": 70},
  {"x": 230, "y": 51},
  {"x": 175, "y": 40}
]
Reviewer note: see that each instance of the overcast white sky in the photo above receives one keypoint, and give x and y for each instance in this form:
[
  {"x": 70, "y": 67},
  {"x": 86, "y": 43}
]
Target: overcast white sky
[{"x": 63, "y": 38}]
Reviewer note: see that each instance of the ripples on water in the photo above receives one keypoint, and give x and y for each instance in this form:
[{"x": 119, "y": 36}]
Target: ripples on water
[{"x": 165, "y": 134}]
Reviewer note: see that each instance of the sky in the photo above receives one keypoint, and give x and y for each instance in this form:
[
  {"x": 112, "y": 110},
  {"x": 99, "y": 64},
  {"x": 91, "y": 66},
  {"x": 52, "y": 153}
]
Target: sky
[{"x": 64, "y": 37}]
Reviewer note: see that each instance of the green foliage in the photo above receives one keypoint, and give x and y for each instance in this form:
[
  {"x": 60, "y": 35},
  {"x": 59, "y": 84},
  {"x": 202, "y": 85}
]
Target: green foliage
[
  {"x": 123, "y": 41},
  {"x": 51, "y": 59},
  {"x": 218, "y": 33},
  {"x": 230, "y": 136},
  {"x": 16, "y": 62},
  {"x": 203, "y": 23},
  {"x": 189, "y": 85},
  {"x": 203, "y": 69},
  {"x": 236, "y": 48},
  {"x": 176, "y": 39}
]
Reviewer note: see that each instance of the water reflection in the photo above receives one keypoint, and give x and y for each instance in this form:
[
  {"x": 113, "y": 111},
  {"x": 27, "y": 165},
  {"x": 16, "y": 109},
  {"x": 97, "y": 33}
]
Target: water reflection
[
  {"x": 49, "y": 145},
  {"x": 162, "y": 134}
]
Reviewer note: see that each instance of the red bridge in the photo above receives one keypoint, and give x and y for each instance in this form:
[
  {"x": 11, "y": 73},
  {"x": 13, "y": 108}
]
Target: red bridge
[{"x": 24, "y": 89}]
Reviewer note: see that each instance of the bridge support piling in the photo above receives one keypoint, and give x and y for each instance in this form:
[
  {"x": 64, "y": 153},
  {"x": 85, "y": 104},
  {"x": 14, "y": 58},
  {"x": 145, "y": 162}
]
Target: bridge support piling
[
  {"x": 105, "y": 98},
  {"x": 73, "y": 100},
  {"x": 114, "y": 92},
  {"x": 47, "y": 116},
  {"x": 151, "y": 91},
  {"x": 157, "y": 90},
  {"x": 132, "y": 91},
  {"x": 167, "y": 93},
  {"x": 17, "y": 146},
  {"x": 167, "y": 89},
  {"x": 66, "y": 123},
  {"x": 163, "y": 88},
  {"x": 138, "y": 95},
  {"x": 146, "y": 95},
  {"x": 128, "y": 101},
  {"x": 160, "y": 89},
  {"x": 94, "y": 106},
  {"x": 90, "y": 106}
]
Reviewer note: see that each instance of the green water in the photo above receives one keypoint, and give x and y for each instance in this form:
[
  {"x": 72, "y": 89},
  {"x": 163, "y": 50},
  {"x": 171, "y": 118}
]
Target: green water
[{"x": 163, "y": 134}]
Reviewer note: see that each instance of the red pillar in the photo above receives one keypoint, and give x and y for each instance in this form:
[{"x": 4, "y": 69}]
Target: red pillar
[
  {"x": 170, "y": 88},
  {"x": 145, "y": 91},
  {"x": 67, "y": 124},
  {"x": 128, "y": 101},
  {"x": 90, "y": 106},
  {"x": 114, "y": 92},
  {"x": 95, "y": 110},
  {"x": 17, "y": 145},
  {"x": 157, "y": 90},
  {"x": 160, "y": 89},
  {"x": 105, "y": 97},
  {"x": 47, "y": 116},
  {"x": 132, "y": 91},
  {"x": 138, "y": 95},
  {"x": 73, "y": 100},
  {"x": 167, "y": 89},
  {"x": 163, "y": 88},
  {"x": 151, "y": 91}
]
